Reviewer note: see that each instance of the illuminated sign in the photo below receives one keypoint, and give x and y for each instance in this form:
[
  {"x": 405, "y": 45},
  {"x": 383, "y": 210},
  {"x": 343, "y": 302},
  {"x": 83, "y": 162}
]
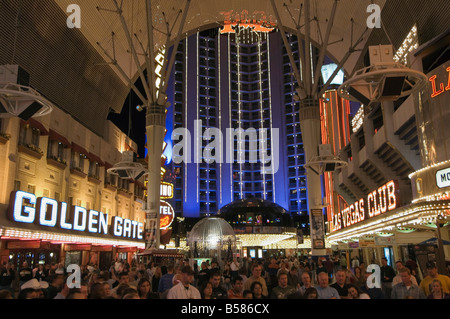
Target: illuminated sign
[
  {"x": 166, "y": 190},
  {"x": 443, "y": 178},
  {"x": 167, "y": 214},
  {"x": 258, "y": 22},
  {"x": 327, "y": 72},
  {"x": 378, "y": 202},
  {"x": 27, "y": 208},
  {"x": 436, "y": 91}
]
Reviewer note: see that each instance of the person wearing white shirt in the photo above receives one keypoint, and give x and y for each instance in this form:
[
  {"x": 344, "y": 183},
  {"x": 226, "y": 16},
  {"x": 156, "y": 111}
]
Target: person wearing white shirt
[{"x": 184, "y": 289}]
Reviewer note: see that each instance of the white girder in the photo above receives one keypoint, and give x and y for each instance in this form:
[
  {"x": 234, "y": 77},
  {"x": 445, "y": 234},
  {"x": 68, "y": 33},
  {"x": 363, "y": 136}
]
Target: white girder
[{"x": 98, "y": 25}]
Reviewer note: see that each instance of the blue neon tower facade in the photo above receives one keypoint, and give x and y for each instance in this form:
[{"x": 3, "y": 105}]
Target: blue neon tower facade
[{"x": 226, "y": 82}]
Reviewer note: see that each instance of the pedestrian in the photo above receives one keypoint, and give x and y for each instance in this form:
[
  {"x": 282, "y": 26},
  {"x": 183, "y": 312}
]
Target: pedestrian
[
  {"x": 283, "y": 290},
  {"x": 157, "y": 275},
  {"x": 218, "y": 291},
  {"x": 373, "y": 292},
  {"x": 306, "y": 283},
  {"x": 397, "y": 279},
  {"x": 234, "y": 267},
  {"x": 355, "y": 293},
  {"x": 7, "y": 276},
  {"x": 56, "y": 285},
  {"x": 324, "y": 291},
  {"x": 311, "y": 293},
  {"x": 437, "y": 292},
  {"x": 257, "y": 290},
  {"x": 406, "y": 289},
  {"x": 256, "y": 277},
  {"x": 387, "y": 276},
  {"x": 426, "y": 283},
  {"x": 237, "y": 287},
  {"x": 165, "y": 282},
  {"x": 144, "y": 290},
  {"x": 206, "y": 291},
  {"x": 341, "y": 283},
  {"x": 184, "y": 289}
]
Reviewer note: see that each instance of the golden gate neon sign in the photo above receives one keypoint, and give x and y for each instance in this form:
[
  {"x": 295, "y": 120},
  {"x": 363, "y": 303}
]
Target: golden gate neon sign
[
  {"x": 258, "y": 22},
  {"x": 441, "y": 90},
  {"x": 380, "y": 201}
]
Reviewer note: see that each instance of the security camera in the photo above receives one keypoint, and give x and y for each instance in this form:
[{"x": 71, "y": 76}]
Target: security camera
[{"x": 140, "y": 108}]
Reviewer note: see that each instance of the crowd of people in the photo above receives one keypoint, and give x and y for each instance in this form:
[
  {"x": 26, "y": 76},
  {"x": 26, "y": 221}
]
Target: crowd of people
[{"x": 246, "y": 278}]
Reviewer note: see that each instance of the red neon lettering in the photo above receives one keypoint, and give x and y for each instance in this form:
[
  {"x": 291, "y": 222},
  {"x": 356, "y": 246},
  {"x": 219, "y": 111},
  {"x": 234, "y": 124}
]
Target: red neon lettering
[
  {"x": 376, "y": 203},
  {"x": 433, "y": 84},
  {"x": 352, "y": 215},
  {"x": 361, "y": 209},
  {"x": 448, "y": 86},
  {"x": 382, "y": 195},
  {"x": 392, "y": 198},
  {"x": 370, "y": 200}
]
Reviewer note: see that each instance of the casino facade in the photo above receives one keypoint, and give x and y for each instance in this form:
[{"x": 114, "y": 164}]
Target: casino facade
[{"x": 58, "y": 202}]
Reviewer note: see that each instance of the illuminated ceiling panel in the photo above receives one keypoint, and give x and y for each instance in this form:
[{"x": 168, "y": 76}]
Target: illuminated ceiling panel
[{"x": 98, "y": 25}]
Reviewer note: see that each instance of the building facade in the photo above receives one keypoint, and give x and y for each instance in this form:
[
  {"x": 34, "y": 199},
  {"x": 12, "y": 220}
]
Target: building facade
[
  {"x": 57, "y": 201},
  {"x": 395, "y": 184},
  {"x": 229, "y": 81}
]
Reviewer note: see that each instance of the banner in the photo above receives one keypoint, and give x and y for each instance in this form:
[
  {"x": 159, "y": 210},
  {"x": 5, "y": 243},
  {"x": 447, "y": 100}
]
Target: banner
[{"x": 317, "y": 229}]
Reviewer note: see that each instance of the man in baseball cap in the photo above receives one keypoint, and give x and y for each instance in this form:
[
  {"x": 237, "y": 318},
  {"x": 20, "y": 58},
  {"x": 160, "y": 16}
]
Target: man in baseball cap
[
  {"x": 184, "y": 289},
  {"x": 432, "y": 271}
]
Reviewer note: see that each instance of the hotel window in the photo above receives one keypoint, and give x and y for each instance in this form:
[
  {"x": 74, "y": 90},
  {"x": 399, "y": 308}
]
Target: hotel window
[
  {"x": 110, "y": 179},
  {"x": 31, "y": 189},
  {"x": 94, "y": 169},
  {"x": 16, "y": 185},
  {"x": 77, "y": 161},
  {"x": 124, "y": 184},
  {"x": 55, "y": 151},
  {"x": 29, "y": 136}
]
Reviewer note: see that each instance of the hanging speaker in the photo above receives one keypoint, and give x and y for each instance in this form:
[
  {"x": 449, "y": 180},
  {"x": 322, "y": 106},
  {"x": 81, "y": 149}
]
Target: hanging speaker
[
  {"x": 30, "y": 111},
  {"x": 122, "y": 173},
  {"x": 393, "y": 86},
  {"x": 359, "y": 96}
]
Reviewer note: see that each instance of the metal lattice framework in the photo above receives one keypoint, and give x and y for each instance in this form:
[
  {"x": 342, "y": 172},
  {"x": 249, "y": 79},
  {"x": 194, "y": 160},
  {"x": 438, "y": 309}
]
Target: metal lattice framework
[{"x": 17, "y": 98}]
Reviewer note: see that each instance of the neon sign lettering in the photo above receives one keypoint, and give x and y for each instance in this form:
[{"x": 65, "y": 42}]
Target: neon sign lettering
[
  {"x": 42, "y": 211},
  {"x": 378, "y": 202},
  {"x": 441, "y": 90},
  {"x": 167, "y": 214},
  {"x": 259, "y": 21}
]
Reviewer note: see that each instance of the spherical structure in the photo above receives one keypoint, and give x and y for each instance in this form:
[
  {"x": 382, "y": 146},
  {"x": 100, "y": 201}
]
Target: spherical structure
[
  {"x": 255, "y": 212},
  {"x": 212, "y": 237}
]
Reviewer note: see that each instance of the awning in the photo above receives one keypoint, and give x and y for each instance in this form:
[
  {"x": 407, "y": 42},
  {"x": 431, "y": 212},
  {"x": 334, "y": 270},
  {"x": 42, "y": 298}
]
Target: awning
[
  {"x": 37, "y": 125},
  {"x": 79, "y": 149},
  {"x": 94, "y": 158},
  {"x": 434, "y": 241},
  {"x": 58, "y": 137}
]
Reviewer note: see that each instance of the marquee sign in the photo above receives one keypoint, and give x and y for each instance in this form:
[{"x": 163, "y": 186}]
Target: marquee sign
[
  {"x": 258, "y": 21},
  {"x": 443, "y": 178},
  {"x": 441, "y": 89},
  {"x": 380, "y": 201},
  {"x": 27, "y": 208},
  {"x": 167, "y": 214}
]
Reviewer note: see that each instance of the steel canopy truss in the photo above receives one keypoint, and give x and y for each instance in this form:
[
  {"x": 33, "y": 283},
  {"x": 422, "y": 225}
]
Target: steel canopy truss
[
  {"x": 127, "y": 34},
  {"x": 98, "y": 25}
]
